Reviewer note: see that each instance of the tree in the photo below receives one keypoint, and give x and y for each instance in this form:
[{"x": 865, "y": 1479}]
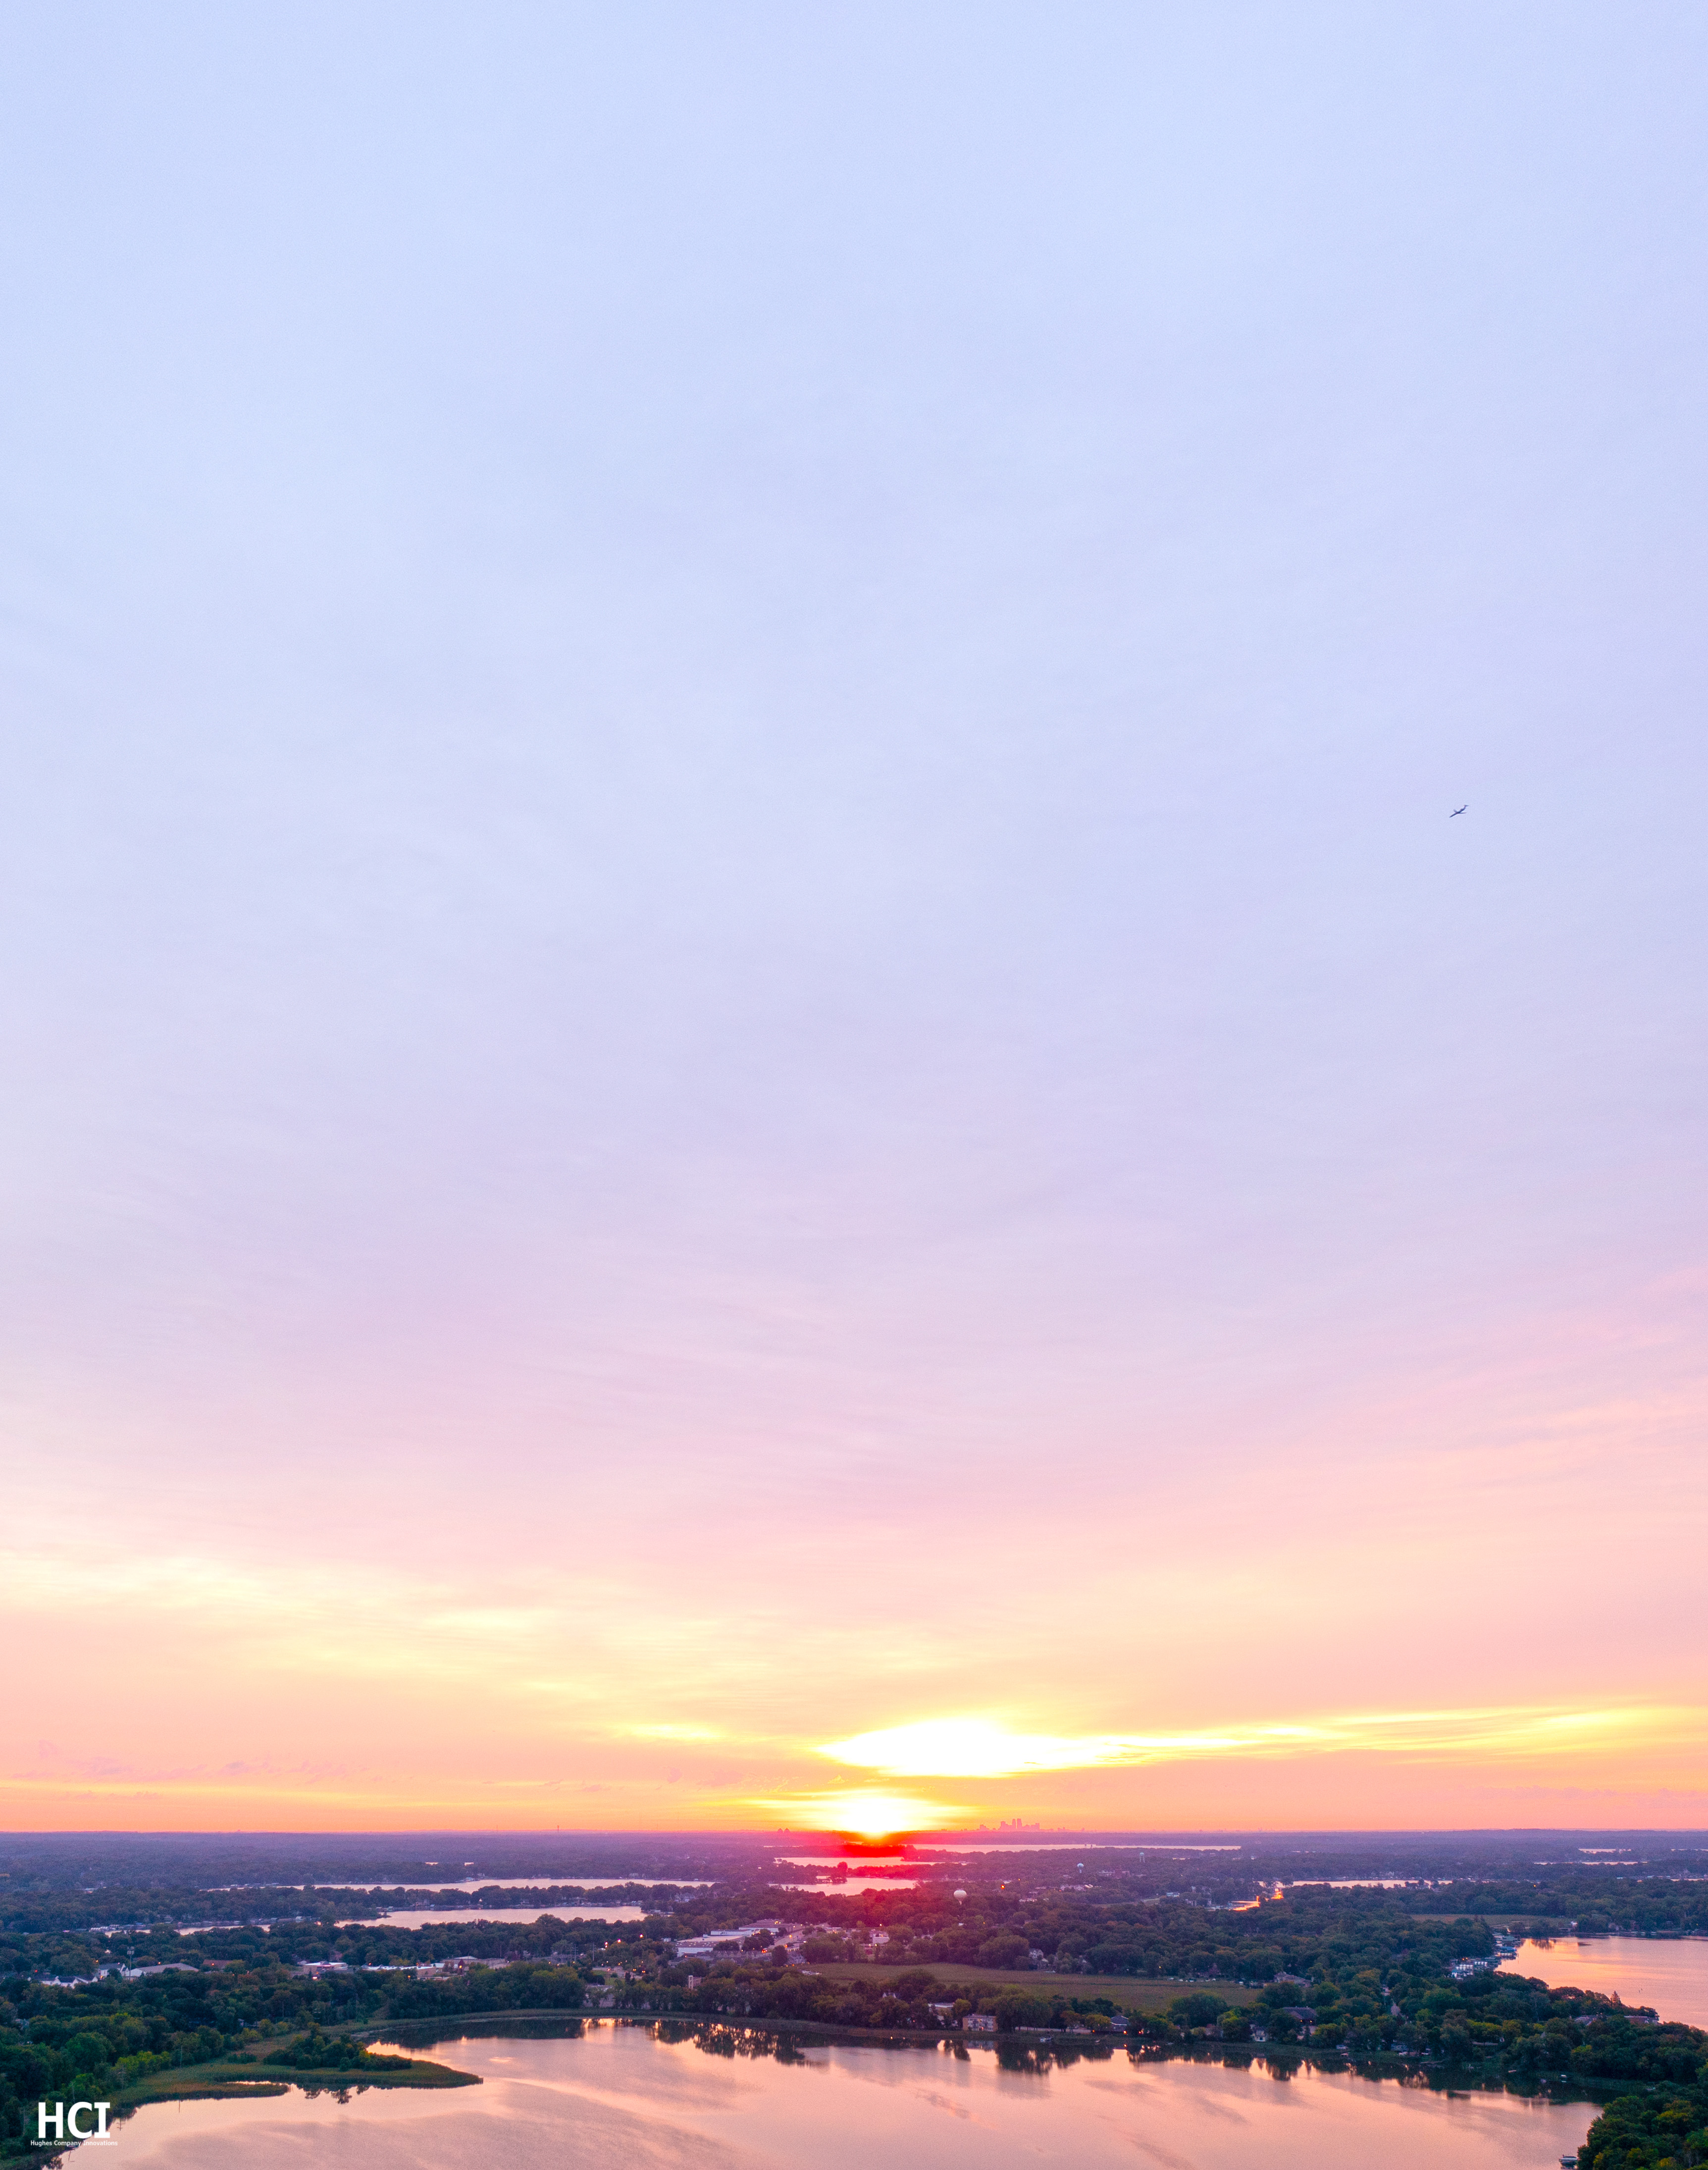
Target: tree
[{"x": 1198, "y": 2009}]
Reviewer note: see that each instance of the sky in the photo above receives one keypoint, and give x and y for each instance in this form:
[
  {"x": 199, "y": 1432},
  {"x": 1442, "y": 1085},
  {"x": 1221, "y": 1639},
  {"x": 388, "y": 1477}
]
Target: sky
[{"x": 752, "y": 1073}]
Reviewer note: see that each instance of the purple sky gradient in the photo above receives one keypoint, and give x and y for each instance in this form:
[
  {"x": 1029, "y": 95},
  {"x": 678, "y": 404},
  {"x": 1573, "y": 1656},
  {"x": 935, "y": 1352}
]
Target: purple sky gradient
[{"x": 727, "y": 899}]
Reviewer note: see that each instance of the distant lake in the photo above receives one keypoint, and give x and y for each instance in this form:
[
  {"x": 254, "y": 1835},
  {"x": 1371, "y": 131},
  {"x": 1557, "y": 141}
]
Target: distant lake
[
  {"x": 618, "y": 2094},
  {"x": 440, "y": 1917},
  {"x": 840, "y": 1886},
  {"x": 509, "y": 1883},
  {"x": 1669, "y": 1973},
  {"x": 855, "y": 1867}
]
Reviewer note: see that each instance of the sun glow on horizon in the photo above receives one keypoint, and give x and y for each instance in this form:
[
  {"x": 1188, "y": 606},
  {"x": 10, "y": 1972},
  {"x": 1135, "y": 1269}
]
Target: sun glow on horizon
[{"x": 867, "y": 1812}]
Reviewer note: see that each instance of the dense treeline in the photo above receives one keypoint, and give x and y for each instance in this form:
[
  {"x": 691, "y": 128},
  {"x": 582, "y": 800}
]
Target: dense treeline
[
  {"x": 69, "y": 1958},
  {"x": 1655, "y": 1881},
  {"x": 1601, "y": 1902},
  {"x": 1170, "y": 1938},
  {"x": 35, "y": 1912},
  {"x": 93, "y": 2041},
  {"x": 753, "y": 1990},
  {"x": 1598, "y": 1902},
  {"x": 1163, "y": 1940},
  {"x": 1668, "y": 2130},
  {"x": 76, "y": 1861}
]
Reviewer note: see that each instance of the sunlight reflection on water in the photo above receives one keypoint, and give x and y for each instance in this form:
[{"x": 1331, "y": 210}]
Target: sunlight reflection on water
[
  {"x": 619, "y": 2094},
  {"x": 1670, "y": 1973}
]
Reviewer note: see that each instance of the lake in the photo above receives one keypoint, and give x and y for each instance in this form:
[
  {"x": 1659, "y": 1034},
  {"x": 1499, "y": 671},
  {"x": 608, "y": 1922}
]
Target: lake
[
  {"x": 845, "y": 1887},
  {"x": 619, "y": 2093},
  {"x": 1669, "y": 1973}
]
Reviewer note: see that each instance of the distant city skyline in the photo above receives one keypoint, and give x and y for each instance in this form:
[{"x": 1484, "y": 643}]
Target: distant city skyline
[{"x": 754, "y": 1071}]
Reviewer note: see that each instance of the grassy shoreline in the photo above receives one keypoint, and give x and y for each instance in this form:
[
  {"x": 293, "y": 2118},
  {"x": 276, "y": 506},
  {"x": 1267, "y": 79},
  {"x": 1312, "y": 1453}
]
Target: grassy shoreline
[{"x": 227, "y": 2079}]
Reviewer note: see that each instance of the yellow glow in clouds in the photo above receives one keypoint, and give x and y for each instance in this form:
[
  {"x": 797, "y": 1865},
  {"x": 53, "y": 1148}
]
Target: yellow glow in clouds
[
  {"x": 863, "y": 1809},
  {"x": 965, "y": 1748},
  {"x": 980, "y": 1748}
]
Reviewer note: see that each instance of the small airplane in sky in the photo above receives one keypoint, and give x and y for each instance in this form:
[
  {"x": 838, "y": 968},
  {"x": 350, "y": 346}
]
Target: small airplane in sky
[{"x": 1457, "y": 811}]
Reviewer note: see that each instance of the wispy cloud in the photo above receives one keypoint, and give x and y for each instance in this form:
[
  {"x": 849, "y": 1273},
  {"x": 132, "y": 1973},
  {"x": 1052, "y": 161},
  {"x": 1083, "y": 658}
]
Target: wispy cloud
[{"x": 984, "y": 1748}]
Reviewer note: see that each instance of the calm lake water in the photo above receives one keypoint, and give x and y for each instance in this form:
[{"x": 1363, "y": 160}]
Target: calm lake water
[
  {"x": 617, "y": 2094},
  {"x": 1669, "y": 1973},
  {"x": 844, "y": 1887}
]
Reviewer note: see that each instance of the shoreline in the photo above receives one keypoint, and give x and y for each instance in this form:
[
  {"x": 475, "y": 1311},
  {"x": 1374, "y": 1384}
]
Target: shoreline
[
  {"x": 1454, "y": 2078},
  {"x": 219, "y": 2079}
]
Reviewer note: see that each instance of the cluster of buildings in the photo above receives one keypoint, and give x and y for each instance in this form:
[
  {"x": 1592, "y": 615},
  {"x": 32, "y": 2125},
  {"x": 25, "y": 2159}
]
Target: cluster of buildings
[
  {"x": 786, "y": 1937},
  {"x": 115, "y": 1967}
]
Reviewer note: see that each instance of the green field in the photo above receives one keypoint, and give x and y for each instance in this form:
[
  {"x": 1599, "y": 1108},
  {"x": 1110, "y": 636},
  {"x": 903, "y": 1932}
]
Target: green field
[{"x": 1130, "y": 1992}]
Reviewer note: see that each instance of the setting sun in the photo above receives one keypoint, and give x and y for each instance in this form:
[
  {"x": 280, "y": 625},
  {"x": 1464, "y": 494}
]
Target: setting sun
[{"x": 866, "y": 1812}]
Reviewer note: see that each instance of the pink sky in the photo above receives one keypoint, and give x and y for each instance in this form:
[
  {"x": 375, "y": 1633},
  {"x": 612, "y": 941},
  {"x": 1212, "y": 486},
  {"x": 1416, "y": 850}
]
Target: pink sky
[
  {"x": 743, "y": 1006},
  {"x": 437, "y": 1641}
]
